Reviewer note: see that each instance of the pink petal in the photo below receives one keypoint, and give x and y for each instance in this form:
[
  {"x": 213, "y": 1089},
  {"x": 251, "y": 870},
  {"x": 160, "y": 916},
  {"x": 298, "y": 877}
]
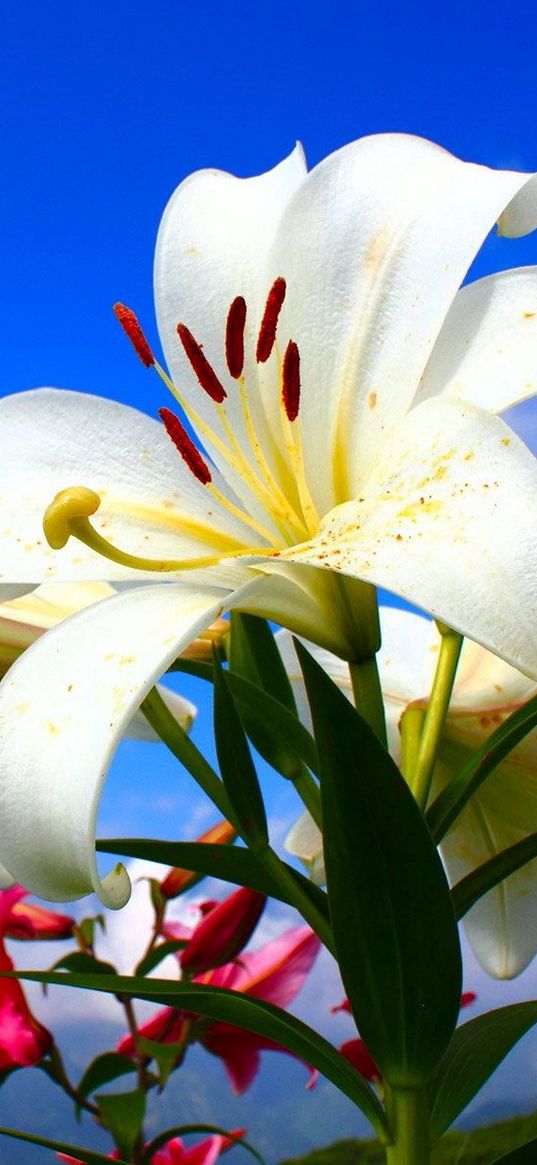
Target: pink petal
[{"x": 224, "y": 931}]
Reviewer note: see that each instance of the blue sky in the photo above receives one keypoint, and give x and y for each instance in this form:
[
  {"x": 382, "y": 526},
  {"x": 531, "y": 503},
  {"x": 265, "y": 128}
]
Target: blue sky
[{"x": 103, "y": 110}]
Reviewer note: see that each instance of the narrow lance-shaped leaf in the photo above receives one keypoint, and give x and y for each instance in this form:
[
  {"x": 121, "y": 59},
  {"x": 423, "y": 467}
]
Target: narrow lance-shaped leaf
[
  {"x": 390, "y": 905},
  {"x": 256, "y": 1015},
  {"x": 254, "y": 655},
  {"x": 236, "y": 765},
  {"x": 277, "y": 734},
  {"x": 451, "y": 801},
  {"x": 238, "y": 865},
  {"x": 475, "y": 1051},
  {"x": 87, "y": 1156},
  {"x": 523, "y": 1155},
  {"x": 471, "y": 888},
  {"x": 255, "y": 659}
]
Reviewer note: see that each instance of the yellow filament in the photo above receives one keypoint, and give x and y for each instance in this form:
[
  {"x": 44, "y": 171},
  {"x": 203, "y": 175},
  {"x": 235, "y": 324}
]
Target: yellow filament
[
  {"x": 293, "y": 444},
  {"x": 279, "y": 499},
  {"x": 236, "y": 459},
  {"x": 230, "y": 506}
]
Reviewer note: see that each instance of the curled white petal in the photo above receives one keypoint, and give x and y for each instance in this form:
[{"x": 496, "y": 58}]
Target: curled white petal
[{"x": 63, "y": 709}]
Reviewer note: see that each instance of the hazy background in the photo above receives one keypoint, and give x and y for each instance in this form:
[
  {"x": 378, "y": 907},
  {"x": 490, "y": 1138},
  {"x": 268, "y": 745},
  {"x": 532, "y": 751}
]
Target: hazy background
[{"x": 103, "y": 110}]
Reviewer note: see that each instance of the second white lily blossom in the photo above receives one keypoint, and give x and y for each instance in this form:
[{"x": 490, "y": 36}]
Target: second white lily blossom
[
  {"x": 312, "y": 327},
  {"x": 502, "y": 926}
]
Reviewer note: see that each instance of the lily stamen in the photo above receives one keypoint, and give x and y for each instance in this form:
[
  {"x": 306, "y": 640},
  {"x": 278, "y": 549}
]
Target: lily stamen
[
  {"x": 199, "y": 468},
  {"x": 235, "y": 324},
  {"x": 269, "y": 323},
  {"x": 199, "y": 363},
  {"x": 67, "y": 516}
]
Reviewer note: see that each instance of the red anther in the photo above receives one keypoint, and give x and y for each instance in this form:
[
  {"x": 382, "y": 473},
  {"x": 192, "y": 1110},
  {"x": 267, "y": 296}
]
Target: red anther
[
  {"x": 291, "y": 380},
  {"x": 206, "y": 375},
  {"x": 185, "y": 446},
  {"x": 269, "y": 323},
  {"x": 131, "y": 327},
  {"x": 236, "y": 319}
]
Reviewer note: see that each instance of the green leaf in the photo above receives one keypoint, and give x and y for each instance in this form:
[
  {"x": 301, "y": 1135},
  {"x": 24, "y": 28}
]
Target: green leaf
[
  {"x": 254, "y": 656},
  {"x": 231, "y": 864},
  {"x": 451, "y": 801},
  {"x": 279, "y": 737},
  {"x": 194, "y": 667},
  {"x": 471, "y": 888},
  {"x": 88, "y": 926},
  {"x": 88, "y": 1156},
  {"x": 80, "y": 961},
  {"x": 109, "y": 1066},
  {"x": 185, "y": 1130},
  {"x": 475, "y": 1051},
  {"x": 157, "y": 954},
  {"x": 523, "y": 1155},
  {"x": 123, "y": 1114},
  {"x": 390, "y": 905},
  {"x": 244, "y": 1011},
  {"x": 265, "y": 700},
  {"x": 164, "y": 1055},
  {"x": 236, "y": 765}
]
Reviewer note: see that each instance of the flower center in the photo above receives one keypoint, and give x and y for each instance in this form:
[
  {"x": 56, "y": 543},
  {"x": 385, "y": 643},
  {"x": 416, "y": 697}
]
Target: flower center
[{"x": 290, "y": 521}]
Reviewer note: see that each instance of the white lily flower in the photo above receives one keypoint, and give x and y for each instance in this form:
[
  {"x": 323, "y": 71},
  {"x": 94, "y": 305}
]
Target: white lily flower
[
  {"x": 502, "y": 926},
  {"x": 25, "y": 618},
  {"x": 311, "y": 324}
]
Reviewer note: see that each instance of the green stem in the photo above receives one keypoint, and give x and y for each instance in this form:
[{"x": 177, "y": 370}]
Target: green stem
[
  {"x": 408, "y": 1113},
  {"x": 411, "y": 727},
  {"x": 166, "y": 727},
  {"x": 368, "y": 694},
  {"x": 297, "y": 895},
  {"x": 435, "y": 716}
]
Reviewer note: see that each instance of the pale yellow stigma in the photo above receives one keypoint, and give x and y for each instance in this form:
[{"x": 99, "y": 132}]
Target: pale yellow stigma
[{"x": 69, "y": 505}]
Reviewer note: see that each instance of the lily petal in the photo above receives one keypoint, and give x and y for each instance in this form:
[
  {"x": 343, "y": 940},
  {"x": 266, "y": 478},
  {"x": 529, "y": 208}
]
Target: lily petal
[
  {"x": 487, "y": 349},
  {"x": 203, "y": 261},
  {"x": 371, "y": 272},
  {"x": 418, "y": 531},
  {"x": 24, "y": 619},
  {"x": 63, "y": 710},
  {"x": 501, "y": 927},
  {"x": 151, "y": 504}
]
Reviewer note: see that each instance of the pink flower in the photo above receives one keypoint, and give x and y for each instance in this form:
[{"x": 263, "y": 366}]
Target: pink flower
[
  {"x": 204, "y": 1153},
  {"x": 174, "y": 1152},
  {"x": 223, "y": 931},
  {"x": 23, "y": 1040},
  {"x": 356, "y": 1052},
  {"x": 274, "y": 973}
]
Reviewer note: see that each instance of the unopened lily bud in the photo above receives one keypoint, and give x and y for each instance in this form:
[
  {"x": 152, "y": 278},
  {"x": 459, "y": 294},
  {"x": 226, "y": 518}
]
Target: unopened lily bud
[
  {"x": 177, "y": 880},
  {"x": 224, "y": 931},
  {"x": 201, "y": 649}
]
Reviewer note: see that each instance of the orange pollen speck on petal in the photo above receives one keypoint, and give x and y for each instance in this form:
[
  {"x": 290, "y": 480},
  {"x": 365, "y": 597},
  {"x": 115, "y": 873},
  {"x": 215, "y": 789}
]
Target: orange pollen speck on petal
[
  {"x": 269, "y": 323},
  {"x": 236, "y": 320},
  {"x": 291, "y": 380},
  {"x": 205, "y": 373},
  {"x": 126, "y": 317},
  {"x": 191, "y": 456}
]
